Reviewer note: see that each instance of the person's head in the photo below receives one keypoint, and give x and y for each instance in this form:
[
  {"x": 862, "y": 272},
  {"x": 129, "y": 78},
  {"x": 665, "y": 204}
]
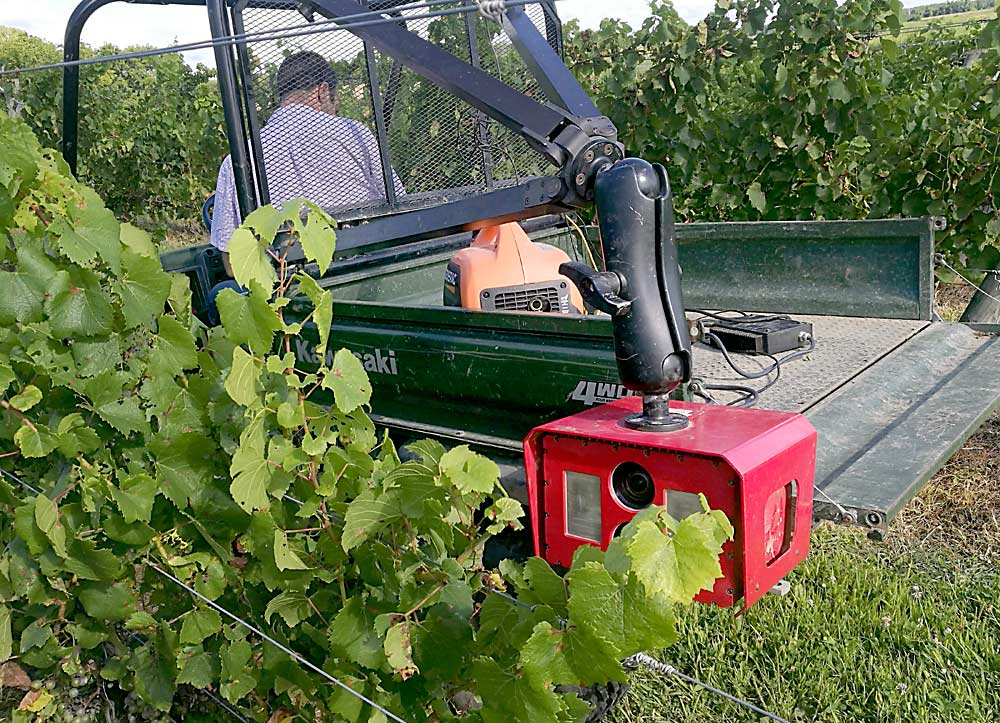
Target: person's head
[{"x": 307, "y": 79}]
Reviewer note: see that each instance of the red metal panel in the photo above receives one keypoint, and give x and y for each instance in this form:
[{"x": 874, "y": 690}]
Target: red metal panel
[{"x": 756, "y": 466}]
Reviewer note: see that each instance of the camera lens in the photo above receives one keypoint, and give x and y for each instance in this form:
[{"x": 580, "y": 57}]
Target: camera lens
[{"x": 633, "y": 486}]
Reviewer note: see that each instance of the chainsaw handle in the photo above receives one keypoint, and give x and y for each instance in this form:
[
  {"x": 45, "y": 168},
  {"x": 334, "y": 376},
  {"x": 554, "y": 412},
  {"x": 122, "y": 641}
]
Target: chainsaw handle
[{"x": 635, "y": 211}]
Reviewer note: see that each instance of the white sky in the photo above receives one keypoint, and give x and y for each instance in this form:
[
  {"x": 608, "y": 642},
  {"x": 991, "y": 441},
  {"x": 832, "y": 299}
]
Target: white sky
[{"x": 124, "y": 24}]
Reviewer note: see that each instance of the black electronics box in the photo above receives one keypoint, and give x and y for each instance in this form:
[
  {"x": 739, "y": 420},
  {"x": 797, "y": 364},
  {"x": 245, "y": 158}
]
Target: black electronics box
[{"x": 761, "y": 335}]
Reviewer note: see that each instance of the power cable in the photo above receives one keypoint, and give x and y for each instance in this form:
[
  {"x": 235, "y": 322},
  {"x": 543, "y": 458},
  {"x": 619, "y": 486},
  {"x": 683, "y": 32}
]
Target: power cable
[
  {"x": 294, "y": 31},
  {"x": 653, "y": 664}
]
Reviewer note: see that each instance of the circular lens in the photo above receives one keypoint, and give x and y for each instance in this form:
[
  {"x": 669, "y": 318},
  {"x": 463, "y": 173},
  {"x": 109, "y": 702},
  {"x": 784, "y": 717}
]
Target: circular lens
[{"x": 633, "y": 485}]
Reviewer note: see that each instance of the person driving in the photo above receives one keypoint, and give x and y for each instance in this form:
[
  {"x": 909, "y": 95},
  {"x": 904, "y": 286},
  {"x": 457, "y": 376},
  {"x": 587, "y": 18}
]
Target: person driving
[{"x": 308, "y": 151}]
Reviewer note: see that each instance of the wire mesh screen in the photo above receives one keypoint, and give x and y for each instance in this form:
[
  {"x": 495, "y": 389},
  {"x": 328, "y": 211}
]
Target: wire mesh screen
[{"x": 335, "y": 120}]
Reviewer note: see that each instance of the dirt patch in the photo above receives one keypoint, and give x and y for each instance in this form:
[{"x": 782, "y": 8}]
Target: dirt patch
[
  {"x": 951, "y": 299},
  {"x": 959, "y": 510}
]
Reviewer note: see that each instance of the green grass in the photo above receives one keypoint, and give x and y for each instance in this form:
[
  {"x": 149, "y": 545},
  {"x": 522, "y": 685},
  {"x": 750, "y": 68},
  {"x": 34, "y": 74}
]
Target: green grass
[
  {"x": 866, "y": 634},
  {"x": 965, "y": 17}
]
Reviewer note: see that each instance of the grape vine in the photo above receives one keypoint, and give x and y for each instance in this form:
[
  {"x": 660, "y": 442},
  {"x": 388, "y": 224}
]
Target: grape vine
[{"x": 211, "y": 453}]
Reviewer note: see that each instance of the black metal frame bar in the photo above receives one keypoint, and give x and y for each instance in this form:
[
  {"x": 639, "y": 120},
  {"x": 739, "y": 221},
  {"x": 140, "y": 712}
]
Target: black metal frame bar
[{"x": 560, "y": 133}]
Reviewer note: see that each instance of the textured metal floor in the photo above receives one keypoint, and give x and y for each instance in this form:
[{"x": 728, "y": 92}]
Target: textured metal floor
[{"x": 844, "y": 348}]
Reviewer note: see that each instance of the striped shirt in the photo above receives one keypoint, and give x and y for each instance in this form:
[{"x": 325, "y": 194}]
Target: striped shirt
[{"x": 332, "y": 161}]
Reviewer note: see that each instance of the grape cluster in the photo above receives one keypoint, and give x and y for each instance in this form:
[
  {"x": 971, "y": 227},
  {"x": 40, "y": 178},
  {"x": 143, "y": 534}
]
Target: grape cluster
[
  {"x": 136, "y": 711},
  {"x": 74, "y": 697}
]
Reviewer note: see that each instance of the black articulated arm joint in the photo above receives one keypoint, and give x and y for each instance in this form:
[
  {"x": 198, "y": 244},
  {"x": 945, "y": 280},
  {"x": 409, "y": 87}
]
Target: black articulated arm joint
[{"x": 641, "y": 288}]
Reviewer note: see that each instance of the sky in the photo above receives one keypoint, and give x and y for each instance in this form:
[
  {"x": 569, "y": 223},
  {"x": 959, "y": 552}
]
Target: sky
[{"x": 123, "y": 24}]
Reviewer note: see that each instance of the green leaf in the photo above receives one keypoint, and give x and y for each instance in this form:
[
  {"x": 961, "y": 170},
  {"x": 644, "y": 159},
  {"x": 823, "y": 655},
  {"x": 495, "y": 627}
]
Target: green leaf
[
  {"x": 622, "y": 614},
  {"x": 200, "y": 624},
  {"x": 838, "y": 90},
  {"x": 348, "y": 381},
  {"x": 47, "y": 519},
  {"x": 284, "y": 556},
  {"x": 398, "y": 650},
  {"x": 781, "y": 75},
  {"x": 198, "y": 668},
  {"x": 137, "y": 241},
  {"x": 248, "y": 318},
  {"x": 366, "y": 515},
  {"x": 183, "y": 464},
  {"x": 29, "y": 397},
  {"x": 92, "y": 232},
  {"x": 174, "y": 347},
  {"x": 22, "y": 300},
  {"x": 469, "y": 471},
  {"x": 678, "y": 566},
  {"x": 352, "y": 635},
  {"x": 292, "y": 606},
  {"x": 322, "y": 301},
  {"x": 243, "y": 380},
  {"x": 112, "y": 603},
  {"x": 6, "y": 638},
  {"x": 756, "y": 195},
  {"x": 237, "y": 680},
  {"x": 125, "y": 415},
  {"x": 250, "y": 260},
  {"x": 509, "y": 696},
  {"x": 6, "y": 377},
  {"x": 143, "y": 287},
  {"x": 575, "y": 656},
  {"x": 154, "y": 676},
  {"x": 93, "y": 356},
  {"x": 135, "y": 497},
  {"x": 81, "y": 308},
  {"x": 251, "y": 471},
  {"x": 318, "y": 237}
]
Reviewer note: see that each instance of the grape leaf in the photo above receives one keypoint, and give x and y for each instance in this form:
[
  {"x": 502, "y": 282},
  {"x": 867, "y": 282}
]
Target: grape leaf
[
  {"x": 107, "y": 602},
  {"x": 125, "y": 415},
  {"x": 509, "y": 696},
  {"x": 249, "y": 260},
  {"x": 322, "y": 315},
  {"x": 366, "y": 515},
  {"x": 679, "y": 565},
  {"x": 143, "y": 288},
  {"x": 47, "y": 519},
  {"x": 348, "y": 381},
  {"x": 756, "y": 195},
  {"x": 154, "y": 676},
  {"x": 21, "y": 301},
  {"x": 6, "y": 638},
  {"x": 248, "y": 318},
  {"x": 284, "y": 556},
  {"x": 200, "y": 624},
  {"x": 469, "y": 471},
  {"x": 81, "y": 308},
  {"x": 318, "y": 237},
  {"x": 243, "y": 380},
  {"x": 135, "y": 497},
  {"x": 398, "y": 650},
  {"x": 174, "y": 346},
  {"x": 622, "y": 614},
  {"x": 29, "y": 397},
  {"x": 292, "y": 606},
  {"x": 352, "y": 635},
  {"x": 92, "y": 232},
  {"x": 197, "y": 668},
  {"x": 575, "y": 656},
  {"x": 251, "y": 474}
]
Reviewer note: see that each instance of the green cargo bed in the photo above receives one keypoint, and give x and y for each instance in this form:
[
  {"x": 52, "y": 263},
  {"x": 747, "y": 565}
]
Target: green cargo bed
[{"x": 891, "y": 392}]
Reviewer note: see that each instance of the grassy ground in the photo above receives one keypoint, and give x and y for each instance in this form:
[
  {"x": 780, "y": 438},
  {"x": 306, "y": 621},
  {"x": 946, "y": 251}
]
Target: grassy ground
[
  {"x": 903, "y": 631},
  {"x": 970, "y": 16}
]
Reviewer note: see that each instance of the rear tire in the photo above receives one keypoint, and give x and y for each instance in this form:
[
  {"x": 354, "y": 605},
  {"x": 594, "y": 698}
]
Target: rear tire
[{"x": 602, "y": 697}]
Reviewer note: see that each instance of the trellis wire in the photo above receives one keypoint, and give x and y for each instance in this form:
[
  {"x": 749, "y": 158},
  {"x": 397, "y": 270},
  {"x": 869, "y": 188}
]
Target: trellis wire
[{"x": 292, "y": 31}]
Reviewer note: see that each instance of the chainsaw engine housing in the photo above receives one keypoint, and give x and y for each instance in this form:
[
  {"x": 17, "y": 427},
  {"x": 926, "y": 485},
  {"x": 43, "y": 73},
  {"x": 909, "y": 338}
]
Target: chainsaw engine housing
[{"x": 589, "y": 474}]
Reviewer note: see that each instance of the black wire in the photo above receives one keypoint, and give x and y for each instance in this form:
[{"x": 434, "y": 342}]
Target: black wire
[{"x": 717, "y": 342}]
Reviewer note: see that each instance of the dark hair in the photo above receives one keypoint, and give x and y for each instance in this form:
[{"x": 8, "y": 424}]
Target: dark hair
[{"x": 303, "y": 71}]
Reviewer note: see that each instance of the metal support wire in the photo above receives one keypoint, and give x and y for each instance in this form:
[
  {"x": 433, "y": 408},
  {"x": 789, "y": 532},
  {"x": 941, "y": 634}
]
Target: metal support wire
[
  {"x": 653, "y": 664},
  {"x": 941, "y": 260},
  {"x": 292, "y": 31},
  {"x": 288, "y": 651},
  {"x": 18, "y": 480}
]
